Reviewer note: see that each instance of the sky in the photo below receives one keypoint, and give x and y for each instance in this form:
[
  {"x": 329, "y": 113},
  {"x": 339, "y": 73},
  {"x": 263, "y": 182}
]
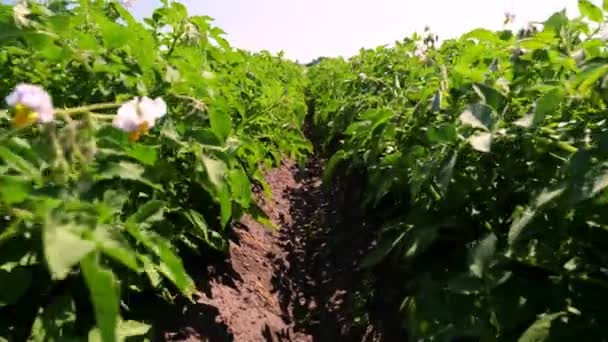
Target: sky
[{"x": 308, "y": 29}]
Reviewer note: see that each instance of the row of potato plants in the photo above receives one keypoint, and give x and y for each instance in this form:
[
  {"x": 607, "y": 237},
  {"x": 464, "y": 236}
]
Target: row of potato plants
[
  {"x": 126, "y": 145},
  {"x": 486, "y": 158}
]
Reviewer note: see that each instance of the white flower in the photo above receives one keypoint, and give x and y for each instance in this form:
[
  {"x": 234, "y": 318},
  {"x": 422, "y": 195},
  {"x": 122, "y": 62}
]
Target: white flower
[
  {"x": 191, "y": 33},
  {"x": 32, "y": 104},
  {"x": 20, "y": 13},
  {"x": 139, "y": 115},
  {"x": 421, "y": 50}
]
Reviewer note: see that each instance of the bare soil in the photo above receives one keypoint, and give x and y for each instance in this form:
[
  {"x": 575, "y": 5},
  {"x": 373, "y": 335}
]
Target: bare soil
[{"x": 298, "y": 283}]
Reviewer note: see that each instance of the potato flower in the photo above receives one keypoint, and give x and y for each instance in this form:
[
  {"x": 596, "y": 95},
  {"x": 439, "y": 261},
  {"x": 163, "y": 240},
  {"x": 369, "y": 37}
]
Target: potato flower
[
  {"x": 421, "y": 50},
  {"x": 31, "y": 104},
  {"x": 137, "y": 116},
  {"x": 21, "y": 12},
  {"x": 191, "y": 33}
]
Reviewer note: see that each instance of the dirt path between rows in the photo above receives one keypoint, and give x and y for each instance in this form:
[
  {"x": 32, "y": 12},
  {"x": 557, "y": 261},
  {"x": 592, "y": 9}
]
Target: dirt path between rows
[{"x": 299, "y": 283}]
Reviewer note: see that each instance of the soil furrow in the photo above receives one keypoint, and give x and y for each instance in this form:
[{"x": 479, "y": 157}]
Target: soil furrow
[{"x": 298, "y": 283}]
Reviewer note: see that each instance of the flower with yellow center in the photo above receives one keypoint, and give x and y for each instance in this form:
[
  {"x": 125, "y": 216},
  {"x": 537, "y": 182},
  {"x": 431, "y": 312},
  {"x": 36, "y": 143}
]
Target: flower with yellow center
[
  {"x": 137, "y": 116},
  {"x": 31, "y": 104}
]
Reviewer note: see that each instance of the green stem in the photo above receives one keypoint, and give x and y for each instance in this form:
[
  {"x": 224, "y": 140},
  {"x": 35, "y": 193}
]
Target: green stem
[
  {"x": 108, "y": 117},
  {"x": 11, "y": 133},
  {"x": 566, "y": 147},
  {"x": 88, "y": 108},
  {"x": 176, "y": 38},
  {"x": 561, "y": 144}
]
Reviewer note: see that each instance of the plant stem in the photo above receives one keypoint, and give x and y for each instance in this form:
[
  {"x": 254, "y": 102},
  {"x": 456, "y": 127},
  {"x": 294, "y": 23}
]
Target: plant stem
[
  {"x": 98, "y": 116},
  {"x": 87, "y": 108},
  {"x": 566, "y": 147},
  {"x": 11, "y": 133}
]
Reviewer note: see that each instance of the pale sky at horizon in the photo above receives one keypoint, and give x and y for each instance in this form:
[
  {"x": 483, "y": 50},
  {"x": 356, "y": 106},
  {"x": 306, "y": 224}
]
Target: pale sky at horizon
[
  {"x": 305, "y": 30},
  {"x": 309, "y": 29}
]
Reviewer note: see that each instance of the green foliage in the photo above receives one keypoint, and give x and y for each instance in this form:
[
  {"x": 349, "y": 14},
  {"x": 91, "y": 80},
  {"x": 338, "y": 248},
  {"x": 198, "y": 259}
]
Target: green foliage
[
  {"x": 487, "y": 156},
  {"x": 90, "y": 217}
]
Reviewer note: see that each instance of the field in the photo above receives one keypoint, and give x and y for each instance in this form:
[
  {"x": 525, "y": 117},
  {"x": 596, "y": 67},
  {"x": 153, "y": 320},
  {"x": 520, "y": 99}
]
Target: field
[{"x": 157, "y": 183}]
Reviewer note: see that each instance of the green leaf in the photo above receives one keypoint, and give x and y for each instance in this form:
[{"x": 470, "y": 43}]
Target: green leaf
[
  {"x": 556, "y": 22},
  {"x": 45, "y": 46},
  {"x": 151, "y": 211},
  {"x": 144, "y": 153},
  {"x": 483, "y": 35},
  {"x": 56, "y": 322},
  {"x": 104, "y": 295},
  {"x": 114, "y": 35},
  {"x": 123, "y": 170},
  {"x": 115, "y": 200},
  {"x": 333, "y": 163},
  {"x": 573, "y": 264},
  {"x": 240, "y": 187},
  {"x": 154, "y": 276},
  {"x": 466, "y": 284},
  {"x": 18, "y": 163},
  {"x": 216, "y": 170},
  {"x": 548, "y": 195},
  {"x": 127, "y": 171},
  {"x": 519, "y": 223},
  {"x": 445, "y": 133},
  {"x": 590, "y": 11},
  {"x": 225, "y": 205},
  {"x": 171, "y": 265},
  {"x": 481, "y": 141},
  {"x": 169, "y": 131},
  {"x": 541, "y": 40},
  {"x": 490, "y": 96},
  {"x": 260, "y": 216},
  {"x": 479, "y": 116},
  {"x": 388, "y": 242},
  {"x": 412, "y": 240},
  {"x": 110, "y": 244},
  {"x": 600, "y": 182},
  {"x": 198, "y": 221},
  {"x": 590, "y": 74},
  {"x": 63, "y": 248},
  {"x": 526, "y": 122},
  {"x": 418, "y": 239},
  {"x": 221, "y": 124},
  {"x": 605, "y": 5},
  {"x": 14, "y": 189},
  {"x": 540, "y": 330},
  {"x": 436, "y": 102},
  {"x": 446, "y": 171},
  {"x": 548, "y": 103},
  {"x": 524, "y": 216},
  {"x": 13, "y": 284},
  {"x": 132, "y": 329},
  {"x": 482, "y": 255},
  {"x": 126, "y": 15}
]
